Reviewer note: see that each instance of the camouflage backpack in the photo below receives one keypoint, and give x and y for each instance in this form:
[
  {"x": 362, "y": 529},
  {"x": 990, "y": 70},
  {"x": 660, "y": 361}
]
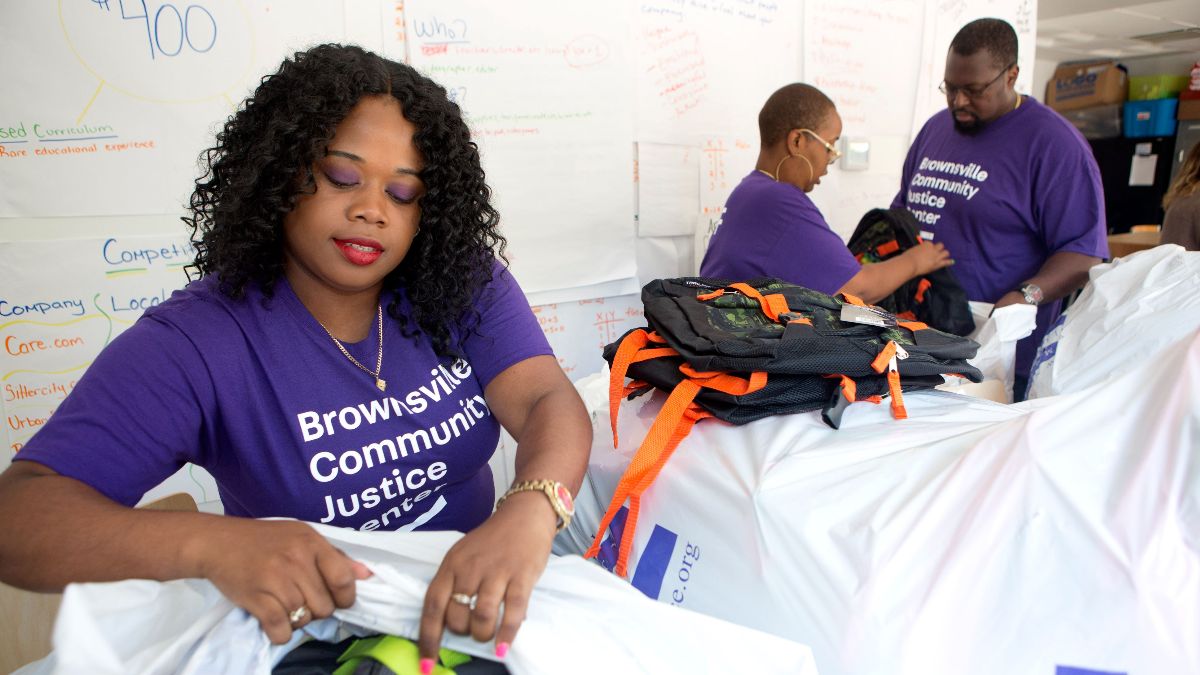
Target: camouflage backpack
[
  {"x": 743, "y": 351},
  {"x": 935, "y": 299}
]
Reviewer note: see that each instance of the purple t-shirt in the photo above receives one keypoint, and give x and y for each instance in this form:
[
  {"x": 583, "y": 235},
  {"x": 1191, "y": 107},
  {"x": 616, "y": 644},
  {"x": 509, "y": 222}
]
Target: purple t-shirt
[
  {"x": 258, "y": 394},
  {"x": 772, "y": 229},
  {"x": 1006, "y": 199}
]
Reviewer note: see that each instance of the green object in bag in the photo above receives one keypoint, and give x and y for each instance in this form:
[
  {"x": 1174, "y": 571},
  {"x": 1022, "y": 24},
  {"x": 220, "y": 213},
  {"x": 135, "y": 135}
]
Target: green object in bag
[{"x": 398, "y": 654}]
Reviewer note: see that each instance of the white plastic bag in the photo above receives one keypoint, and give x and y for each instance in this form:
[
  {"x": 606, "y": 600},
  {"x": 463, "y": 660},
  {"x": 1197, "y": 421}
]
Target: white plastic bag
[
  {"x": 1132, "y": 309},
  {"x": 997, "y": 332},
  {"x": 972, "y": 537},
  {"x": 580, "y": 620}
]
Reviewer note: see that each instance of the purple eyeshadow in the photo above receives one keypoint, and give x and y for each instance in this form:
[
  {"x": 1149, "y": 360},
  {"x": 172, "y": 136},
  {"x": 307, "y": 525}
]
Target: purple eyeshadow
[
  {"x": 341, "y": 177},
  {"x": 401, "y": 192}
]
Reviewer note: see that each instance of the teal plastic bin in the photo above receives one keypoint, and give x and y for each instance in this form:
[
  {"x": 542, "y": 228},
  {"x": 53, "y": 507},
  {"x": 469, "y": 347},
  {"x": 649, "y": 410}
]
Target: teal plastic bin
[{"x": 1150, "y": 118}]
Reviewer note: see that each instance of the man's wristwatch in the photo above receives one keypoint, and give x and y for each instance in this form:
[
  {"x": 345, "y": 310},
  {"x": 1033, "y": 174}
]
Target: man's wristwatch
[
  {"x": 1033, "y": 294},
  {"x": 556, "y": 492}
]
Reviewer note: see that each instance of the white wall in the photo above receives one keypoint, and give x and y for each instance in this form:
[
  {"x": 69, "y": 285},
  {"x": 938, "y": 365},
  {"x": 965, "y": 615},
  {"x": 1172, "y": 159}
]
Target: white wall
[
  {"x": 1043, "y": 70},
  {"x": 1177, "y": 64}
]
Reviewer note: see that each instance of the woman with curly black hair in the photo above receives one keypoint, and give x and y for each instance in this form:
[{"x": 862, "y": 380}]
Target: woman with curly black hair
[{"x": 347, "y": 356}]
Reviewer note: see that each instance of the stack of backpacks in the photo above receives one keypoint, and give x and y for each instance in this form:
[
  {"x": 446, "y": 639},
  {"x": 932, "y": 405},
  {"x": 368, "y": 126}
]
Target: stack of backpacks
[{"x": 741, "y": 351}]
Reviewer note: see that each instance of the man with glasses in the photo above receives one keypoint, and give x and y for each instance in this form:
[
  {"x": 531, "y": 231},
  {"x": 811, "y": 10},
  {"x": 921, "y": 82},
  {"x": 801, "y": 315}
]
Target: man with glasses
[
  {"x": 770, "y": 228},
  {"x": 1008, "y": 185}
]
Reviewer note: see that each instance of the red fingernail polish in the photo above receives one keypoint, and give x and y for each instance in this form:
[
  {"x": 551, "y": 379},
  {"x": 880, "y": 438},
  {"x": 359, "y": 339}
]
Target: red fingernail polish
[
  {"x": 501, "y": 649},
  {"x": 426, "y": 666}
]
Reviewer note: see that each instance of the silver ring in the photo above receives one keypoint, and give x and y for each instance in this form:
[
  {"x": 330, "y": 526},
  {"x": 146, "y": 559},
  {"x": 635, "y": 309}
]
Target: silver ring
[
  {"x": 464, "y": 599},
  {"x": 300, "y": 614}
]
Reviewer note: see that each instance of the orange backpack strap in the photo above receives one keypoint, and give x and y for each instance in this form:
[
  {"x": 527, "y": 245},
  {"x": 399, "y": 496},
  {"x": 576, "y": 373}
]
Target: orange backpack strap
[
  {"x": 887, "y": 248},
  {"x": 633, "y": 348},
  {"x": 654, "y": 353},
  {"x": 843, "y": 395},
  {"x": 914, "y": 326},
  {"x": 847, "y": 387},
  {"x": 922, "y": 286},
  {"x": 796, "y": 325},
  {"x": 691, "y": 415},
  {"x": 884, "y": 357},
  {"x": 772, "y": 305},
  {"x": 633, "y": 387},
  {"x": 898, "y": 410},
  {"x": 725, "y": 382},
  {"x": 853, "y": 299},
  {"x": 674, "y": 421},
  {"x": 671, "y": 426},
  {"x": 886, "y": 360}
]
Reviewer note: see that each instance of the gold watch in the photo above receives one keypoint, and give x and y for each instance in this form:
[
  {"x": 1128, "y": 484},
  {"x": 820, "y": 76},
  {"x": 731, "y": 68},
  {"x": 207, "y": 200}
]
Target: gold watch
[{"x": 556, "y": 492}]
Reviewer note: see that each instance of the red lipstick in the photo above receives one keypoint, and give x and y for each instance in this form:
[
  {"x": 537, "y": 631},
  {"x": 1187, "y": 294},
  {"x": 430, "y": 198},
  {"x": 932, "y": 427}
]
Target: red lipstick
[{"x": 359, "y": 251}]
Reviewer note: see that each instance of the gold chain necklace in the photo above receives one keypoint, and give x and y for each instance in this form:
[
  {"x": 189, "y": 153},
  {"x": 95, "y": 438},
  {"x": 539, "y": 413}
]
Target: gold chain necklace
[{"x": 379, "y": 382}]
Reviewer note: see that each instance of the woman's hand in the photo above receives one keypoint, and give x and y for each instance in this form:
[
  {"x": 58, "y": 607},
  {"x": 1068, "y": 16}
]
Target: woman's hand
[
  {"x": 928, "y": 257},
  {"x": 495, "y": 566},
  {"x": 498, "y": 564},
  {"x": 273, "y": 568}
]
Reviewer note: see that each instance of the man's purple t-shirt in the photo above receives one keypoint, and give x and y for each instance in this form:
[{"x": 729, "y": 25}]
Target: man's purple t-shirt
[
  {"x": 258, "y": 394},
  {"x": 772, "y": 229},
  {"x": 1004, "y": 200}
]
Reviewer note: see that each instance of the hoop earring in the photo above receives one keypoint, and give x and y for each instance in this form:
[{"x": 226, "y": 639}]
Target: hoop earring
[
  {"x": 811, "y": 172},
  {"x": 779, "y": 166}
]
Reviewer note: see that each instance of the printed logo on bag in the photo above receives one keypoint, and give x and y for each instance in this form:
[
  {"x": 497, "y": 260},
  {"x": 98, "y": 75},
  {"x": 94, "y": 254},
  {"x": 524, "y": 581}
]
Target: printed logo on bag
[
  {"x": 655, "y": 562},
  {"x": 1049, "y": 346}
]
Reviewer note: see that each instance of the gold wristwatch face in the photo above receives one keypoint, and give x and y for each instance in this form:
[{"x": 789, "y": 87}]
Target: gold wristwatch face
[
  {"x": 563, "y": 496},
  {"x": 558, "y": 494}
]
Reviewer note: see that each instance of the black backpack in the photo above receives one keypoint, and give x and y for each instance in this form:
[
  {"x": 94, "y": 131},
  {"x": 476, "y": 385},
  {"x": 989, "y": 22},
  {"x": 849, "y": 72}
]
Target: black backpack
[
  {"x": 936, "y": 299},
  {"x": 741, "y": 351},
  {"x": 802, "y": 342}
]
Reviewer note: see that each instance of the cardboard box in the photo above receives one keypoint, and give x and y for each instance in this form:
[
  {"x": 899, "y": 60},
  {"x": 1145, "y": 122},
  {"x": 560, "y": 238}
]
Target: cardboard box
[
  {"x": 1083, "y": 85},
  {"x": 1189, "y": 108},
  {"x": 1121, "y": 245}
]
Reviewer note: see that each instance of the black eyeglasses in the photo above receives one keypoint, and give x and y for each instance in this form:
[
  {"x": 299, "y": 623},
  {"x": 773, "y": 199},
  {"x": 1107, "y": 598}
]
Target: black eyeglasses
[{"x": 975, "y": 92}]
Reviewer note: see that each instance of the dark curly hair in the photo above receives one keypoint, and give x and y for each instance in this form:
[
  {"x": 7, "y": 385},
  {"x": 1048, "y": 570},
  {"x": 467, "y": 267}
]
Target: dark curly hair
[{"x": 262, "y": 163}]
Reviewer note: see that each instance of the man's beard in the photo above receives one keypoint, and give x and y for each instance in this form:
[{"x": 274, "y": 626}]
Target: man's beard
[{"x": 970, "y": 128}]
